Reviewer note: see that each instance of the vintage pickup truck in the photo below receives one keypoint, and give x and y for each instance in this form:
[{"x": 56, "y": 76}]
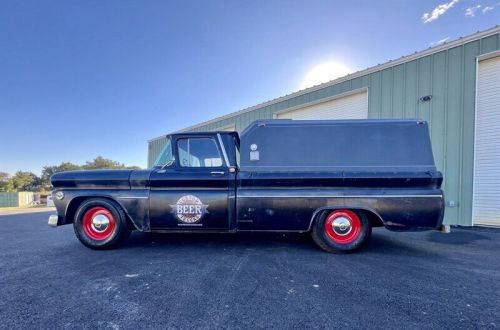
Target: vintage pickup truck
[{"x": 334, "y": 179}]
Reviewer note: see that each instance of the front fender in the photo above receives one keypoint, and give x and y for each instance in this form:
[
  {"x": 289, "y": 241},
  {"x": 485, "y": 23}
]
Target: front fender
[{"x": 135, "y": 204}]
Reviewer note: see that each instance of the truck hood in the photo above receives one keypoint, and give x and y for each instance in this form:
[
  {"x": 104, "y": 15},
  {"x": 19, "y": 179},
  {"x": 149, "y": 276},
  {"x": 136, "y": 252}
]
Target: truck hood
[{"x": 92, "y": 179}]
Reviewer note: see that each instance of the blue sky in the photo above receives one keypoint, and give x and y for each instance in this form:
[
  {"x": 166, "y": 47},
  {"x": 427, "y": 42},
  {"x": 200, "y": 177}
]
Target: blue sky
[{"x": 80, "y": 79}]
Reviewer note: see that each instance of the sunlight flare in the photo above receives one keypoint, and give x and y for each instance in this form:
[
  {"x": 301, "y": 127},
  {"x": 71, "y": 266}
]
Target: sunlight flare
[{"x": 324, "y": 72}]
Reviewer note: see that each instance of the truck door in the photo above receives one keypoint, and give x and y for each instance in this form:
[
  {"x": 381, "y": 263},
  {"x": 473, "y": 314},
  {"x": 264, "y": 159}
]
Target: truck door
[{"x": 197, "y": 190}]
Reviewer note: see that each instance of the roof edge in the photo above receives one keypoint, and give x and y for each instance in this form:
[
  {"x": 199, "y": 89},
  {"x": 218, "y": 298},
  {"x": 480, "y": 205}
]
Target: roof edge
[{"x": 157, "y": 138}]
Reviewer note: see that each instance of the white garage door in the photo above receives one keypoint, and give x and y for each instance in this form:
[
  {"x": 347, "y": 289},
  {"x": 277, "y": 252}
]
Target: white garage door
[
  {"x": 228, "y": 128},
  {"x": 486, "y": 198},
  {"x": 354, "y": 106}
]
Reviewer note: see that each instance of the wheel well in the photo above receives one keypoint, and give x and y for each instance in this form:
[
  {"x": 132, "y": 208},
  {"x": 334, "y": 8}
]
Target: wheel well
[
  {"x": 73, "y": 206},
  {"x": 375, "y": 219},
  {"x": 77, "y": 201}
]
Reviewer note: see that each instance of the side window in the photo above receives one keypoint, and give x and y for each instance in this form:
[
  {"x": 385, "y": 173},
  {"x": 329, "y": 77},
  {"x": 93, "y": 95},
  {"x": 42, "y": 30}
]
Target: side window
[{"x": 198, "y": 152}]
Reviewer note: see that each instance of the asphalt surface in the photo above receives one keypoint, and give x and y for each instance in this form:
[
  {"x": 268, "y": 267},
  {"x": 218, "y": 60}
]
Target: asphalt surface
[{"x": 399, "y": 280}]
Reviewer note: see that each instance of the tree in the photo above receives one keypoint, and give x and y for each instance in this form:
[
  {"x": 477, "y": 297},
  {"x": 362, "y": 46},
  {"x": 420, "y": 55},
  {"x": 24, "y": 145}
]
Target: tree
[
  {"x": 4, "y": 176},
  {"x": 47, "y": 172},
  {"x": 23, "y": 181},
  {"x": 100, "y": 162},
  {"x": 4, "y": 179}
]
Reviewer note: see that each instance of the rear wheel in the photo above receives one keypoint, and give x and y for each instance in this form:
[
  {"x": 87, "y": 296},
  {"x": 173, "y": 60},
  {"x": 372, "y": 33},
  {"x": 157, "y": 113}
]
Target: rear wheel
[
  {"x": 341, "y": 231},
  {"x": 101, "y": 224}
]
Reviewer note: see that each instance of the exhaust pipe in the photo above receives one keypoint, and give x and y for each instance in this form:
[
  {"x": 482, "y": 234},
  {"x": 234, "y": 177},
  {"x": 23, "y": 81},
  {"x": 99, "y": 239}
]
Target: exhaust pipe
[{"x": 445, "y": 229}]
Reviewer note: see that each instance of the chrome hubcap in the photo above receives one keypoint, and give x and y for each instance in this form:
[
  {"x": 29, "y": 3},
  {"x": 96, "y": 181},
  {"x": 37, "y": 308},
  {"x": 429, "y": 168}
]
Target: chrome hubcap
[
  {"x": 341, "y": 226},
  {"x": 100, "y": 223}
]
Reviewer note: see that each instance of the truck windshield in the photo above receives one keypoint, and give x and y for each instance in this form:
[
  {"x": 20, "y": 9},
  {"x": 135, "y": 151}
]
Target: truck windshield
[{"x": 165, "y": 155}]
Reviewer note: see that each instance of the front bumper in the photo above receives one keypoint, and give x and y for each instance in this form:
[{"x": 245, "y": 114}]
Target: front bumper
[{"x": 53, "y": 220}]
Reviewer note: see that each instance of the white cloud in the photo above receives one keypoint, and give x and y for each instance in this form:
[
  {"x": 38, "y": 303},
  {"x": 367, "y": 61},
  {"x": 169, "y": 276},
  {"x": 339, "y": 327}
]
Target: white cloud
[
  {"x": 438, "y": 11},
  {"x": 471, "y": 11},
  {"x": 487, "y": 8},
  {"x": 439, "y": 42}
]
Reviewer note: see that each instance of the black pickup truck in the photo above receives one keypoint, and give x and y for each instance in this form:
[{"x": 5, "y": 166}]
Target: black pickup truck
[{"x": 334, "y": 179}]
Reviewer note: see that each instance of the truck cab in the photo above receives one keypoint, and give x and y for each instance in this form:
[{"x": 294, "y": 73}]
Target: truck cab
[{"x": 194, "y": 177}]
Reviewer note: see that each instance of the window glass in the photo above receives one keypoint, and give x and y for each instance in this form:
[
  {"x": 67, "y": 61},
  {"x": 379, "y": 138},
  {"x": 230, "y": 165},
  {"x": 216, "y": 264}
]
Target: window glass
[
  {"x": 199, "y": 152},
  {"x": 165, "y": 155}
]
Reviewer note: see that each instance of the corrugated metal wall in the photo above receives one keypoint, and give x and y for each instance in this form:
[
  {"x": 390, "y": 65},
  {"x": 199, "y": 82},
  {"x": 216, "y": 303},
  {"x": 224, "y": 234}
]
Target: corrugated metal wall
[
  {"x": 9, "y": 199},
  {"x": 154, "y": 148},
  {"x": 449, "y": 76},
  {"x": 16, "y": 199}
]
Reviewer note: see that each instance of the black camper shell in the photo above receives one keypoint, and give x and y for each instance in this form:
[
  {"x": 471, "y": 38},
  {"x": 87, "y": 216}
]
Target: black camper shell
[{"x": 337, "y": 145}]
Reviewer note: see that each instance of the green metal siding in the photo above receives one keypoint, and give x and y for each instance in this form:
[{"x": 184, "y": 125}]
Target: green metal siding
[
  {"x": 154, "y": 148},
  {"x": 449, "y": 76},
  {"x": 9, "y": 199}
]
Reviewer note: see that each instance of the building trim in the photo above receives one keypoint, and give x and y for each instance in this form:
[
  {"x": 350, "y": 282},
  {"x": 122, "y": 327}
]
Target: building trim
[
  {"x": 426, "y": 52},
  {"x": 158, "y": 138},
  {"x": 475, "y": 144},
  {"x": 489, "y": 55}
]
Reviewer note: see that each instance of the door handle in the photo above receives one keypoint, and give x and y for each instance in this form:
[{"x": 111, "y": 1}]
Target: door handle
[{"x": 217, "y": 173}]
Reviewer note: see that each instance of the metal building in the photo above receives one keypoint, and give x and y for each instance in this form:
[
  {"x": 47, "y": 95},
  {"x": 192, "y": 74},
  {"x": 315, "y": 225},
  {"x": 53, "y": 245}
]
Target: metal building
[{"x": 454, "y": 86}]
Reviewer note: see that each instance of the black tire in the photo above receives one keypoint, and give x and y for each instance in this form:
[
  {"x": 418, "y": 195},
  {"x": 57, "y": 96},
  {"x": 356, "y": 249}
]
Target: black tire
[
  {"x": 117, "y": 236},
  {"x": 324, "y": 241}
]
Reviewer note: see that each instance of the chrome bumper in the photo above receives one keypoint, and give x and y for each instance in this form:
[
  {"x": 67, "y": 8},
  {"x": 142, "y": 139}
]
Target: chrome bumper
[{"x": 53, "y": 219}]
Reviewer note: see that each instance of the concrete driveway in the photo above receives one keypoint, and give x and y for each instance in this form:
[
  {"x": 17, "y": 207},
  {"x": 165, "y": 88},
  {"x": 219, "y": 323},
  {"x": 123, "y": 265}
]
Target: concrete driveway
[{"x": 400, "y": 280}]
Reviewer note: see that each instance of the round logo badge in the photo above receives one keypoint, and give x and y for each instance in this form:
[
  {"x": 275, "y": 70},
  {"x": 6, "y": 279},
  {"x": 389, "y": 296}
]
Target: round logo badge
[{"x": 189, "y": 209}]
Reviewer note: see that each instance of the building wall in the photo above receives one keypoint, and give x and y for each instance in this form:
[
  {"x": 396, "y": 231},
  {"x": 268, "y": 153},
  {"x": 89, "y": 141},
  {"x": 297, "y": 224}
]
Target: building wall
[
  {"x": 9, "y": 199},
  {"x": 394, "y": 92},
  {"x": 25, "y": 198},
  {"x": 154, "y": 148},
  {"x": 16, "y": 199}
]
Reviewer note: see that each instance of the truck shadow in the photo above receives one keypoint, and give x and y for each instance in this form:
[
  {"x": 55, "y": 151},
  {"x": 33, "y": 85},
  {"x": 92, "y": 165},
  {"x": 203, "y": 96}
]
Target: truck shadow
[
  {"x": 221, "y": 241},
  {"x": 457, "y": 237},
  {"x": 388, "y": 244},
  {"x": 379, "y": 242}
]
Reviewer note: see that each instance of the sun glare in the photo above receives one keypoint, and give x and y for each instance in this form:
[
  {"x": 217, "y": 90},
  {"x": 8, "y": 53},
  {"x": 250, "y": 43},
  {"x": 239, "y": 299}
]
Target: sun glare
[{"x": 324, "y": 72}]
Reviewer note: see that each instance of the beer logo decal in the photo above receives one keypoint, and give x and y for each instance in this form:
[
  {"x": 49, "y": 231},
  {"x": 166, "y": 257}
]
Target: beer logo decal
[{"x": 189, "y": 209}]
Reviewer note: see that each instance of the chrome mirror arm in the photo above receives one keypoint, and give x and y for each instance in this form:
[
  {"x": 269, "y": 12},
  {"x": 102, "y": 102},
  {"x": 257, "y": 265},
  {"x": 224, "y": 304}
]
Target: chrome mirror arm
[{"x": 167, "y": 164}]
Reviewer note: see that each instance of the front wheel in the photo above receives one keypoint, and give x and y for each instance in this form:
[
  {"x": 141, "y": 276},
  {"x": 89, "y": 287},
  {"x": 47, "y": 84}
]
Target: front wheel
[
  {"x": 101, "y": 224},
  {"x": 341, "y": 231}
]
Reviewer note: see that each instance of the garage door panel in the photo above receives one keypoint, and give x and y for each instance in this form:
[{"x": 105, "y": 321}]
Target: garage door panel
[
  {"x": 486, "y": 199},
  {"x": 354, "y": 106}
]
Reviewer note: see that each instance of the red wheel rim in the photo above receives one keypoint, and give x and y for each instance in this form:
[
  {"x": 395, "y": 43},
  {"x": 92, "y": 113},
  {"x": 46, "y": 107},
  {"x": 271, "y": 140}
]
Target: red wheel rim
[
  {"x": 343, "y": 226},
  {"x": 98, "y": 223}
]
